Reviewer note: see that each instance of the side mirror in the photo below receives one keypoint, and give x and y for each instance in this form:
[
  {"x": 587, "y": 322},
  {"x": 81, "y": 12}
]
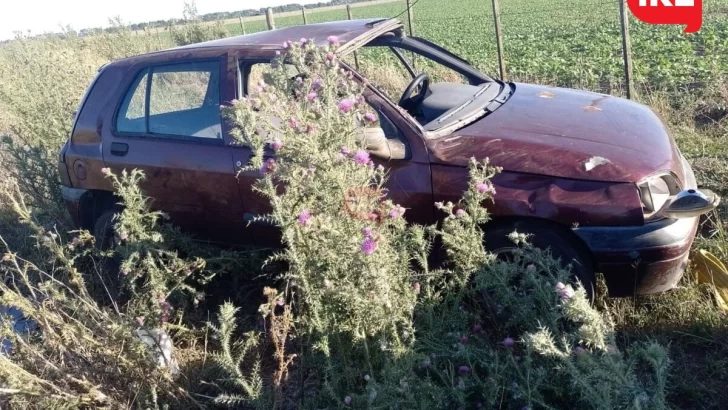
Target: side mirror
[
  {"x": 691, "y": 203},
  {"x": 380, "y": 146}
]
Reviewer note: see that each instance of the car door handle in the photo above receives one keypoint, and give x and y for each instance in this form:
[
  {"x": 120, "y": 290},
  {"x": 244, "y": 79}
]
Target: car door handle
[{"x": 119, "y": 149}]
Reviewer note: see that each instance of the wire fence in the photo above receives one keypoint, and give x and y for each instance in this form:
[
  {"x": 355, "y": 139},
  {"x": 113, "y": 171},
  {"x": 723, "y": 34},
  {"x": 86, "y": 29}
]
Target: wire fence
[{"x": 574, "y": 44}]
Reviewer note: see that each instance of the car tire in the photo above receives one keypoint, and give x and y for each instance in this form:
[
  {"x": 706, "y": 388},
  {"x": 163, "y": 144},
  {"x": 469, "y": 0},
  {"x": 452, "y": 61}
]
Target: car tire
[
  {"x": 546, "y": 236},
  {"x": 104, "y": 229}
]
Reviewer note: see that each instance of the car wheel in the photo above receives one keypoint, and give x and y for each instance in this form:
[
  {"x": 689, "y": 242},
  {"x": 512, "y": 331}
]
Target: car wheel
[
  {"x": 104, "y": 230},
  {"x": 544, "y": 236}
]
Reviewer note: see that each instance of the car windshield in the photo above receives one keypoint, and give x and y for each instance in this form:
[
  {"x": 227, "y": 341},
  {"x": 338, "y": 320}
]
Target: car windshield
[{"x": 437, "y": 88}]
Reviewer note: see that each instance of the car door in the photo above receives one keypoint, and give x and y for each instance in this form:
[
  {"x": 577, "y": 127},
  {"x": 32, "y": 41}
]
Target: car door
[
  {"x": 168, "y": 124},
  {"x": 409, "y": 183}
]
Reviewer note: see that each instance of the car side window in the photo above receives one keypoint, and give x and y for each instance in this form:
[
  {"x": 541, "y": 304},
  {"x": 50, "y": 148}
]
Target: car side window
[
  {"x": 180, "y": 100},
  {"x": 132, "y": 116},
  {"x": 391, "y": 131},
  {"x": 257, "y": 72}
]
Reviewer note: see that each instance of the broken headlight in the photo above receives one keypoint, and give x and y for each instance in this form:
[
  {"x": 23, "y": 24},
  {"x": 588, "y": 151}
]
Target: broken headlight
[{"x": 655, "y": 192}]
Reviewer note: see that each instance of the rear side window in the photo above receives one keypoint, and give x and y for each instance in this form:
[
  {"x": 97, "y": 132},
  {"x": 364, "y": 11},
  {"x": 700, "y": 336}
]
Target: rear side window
[{"x": 175, "y": 100}]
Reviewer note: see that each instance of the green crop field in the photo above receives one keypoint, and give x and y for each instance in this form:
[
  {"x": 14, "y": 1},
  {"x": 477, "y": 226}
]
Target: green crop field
[{"x": 575, "y": 43}]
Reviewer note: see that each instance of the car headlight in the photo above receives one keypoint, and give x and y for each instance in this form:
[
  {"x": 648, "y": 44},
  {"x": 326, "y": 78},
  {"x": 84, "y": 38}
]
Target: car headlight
[{"x": 655, "y": 193}]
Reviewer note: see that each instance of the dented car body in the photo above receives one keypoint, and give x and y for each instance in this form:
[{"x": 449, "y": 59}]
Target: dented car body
[{"x": 601, "y": 173}]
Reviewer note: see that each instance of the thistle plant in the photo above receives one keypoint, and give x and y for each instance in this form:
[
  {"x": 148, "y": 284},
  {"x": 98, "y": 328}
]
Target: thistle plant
[
  {"x": 462, "y": 232},
  {"x": 346, "y": 243},
  {"x": 73, "y": 352},
  {"x": 148, "y": 264}
]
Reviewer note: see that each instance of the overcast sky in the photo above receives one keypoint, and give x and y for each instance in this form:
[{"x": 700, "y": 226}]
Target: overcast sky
[{"x": 41, "y": 16}]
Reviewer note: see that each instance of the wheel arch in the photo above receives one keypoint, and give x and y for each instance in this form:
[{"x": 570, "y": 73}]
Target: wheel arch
[
  {"x": 93, "y": 204},
  {"x": 512, "y": 223}
]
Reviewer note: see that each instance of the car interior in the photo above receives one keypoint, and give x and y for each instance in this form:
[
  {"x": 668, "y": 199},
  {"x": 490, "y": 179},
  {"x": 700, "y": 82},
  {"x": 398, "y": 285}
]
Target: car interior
[{"x": 437, "y": 104}]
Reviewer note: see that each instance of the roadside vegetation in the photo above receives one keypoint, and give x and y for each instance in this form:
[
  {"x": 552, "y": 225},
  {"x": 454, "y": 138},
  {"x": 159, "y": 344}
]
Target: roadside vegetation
[{"x": 160, "y": 320}]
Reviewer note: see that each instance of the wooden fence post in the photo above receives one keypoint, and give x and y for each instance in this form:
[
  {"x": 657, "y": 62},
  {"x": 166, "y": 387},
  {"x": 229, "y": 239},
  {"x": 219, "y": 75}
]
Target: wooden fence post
[
  {"x": 626, "y": 49},
  {"x": 356, "y": 57},
  {"x": 411, "y": 23},
  {"x": 242, "y": 24},
  {"x": 499, "y": 39},
  {"x": 410, "y": 18},
  {"x": 269, "y": 19},
  {"x": 303, "y": 12}
]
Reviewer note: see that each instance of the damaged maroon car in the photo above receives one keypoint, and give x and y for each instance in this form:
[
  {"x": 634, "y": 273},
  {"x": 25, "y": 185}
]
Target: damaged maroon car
[{"x": 597, "y": 179}]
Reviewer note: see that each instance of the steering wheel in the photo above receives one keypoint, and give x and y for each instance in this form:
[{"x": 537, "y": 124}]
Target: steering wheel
[{"x": 410, "y": 102}]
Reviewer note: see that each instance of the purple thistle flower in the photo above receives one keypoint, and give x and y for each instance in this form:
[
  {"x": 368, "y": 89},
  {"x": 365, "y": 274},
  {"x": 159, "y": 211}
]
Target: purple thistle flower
[
  {"x": 485, "y": 188},
  {"x": 123, "y": 236},
  {"x": 276, "y": 145},
  {"x": 345, "y": 151},
  {"x": 460, "y": 213},
  {"x": 347, "y": 400},
  {"x": 464, "y": 340},
  {"x": 345, "y": 106},
  {"x": 333, "y": 40},
  {"x": 567, "y": 294},
  {"x": 509, "y": 342},
  {"x": 370, "y": 117},
  {"x": 293, "y": 123},
  {"x": 361, "y": 157},
  {"x": 310, "y": 129},
  {"x": 304, "y": 218},
  {"x": 367, "y": 231},
  {"x": 140, "y": 320},
  {"x": 477, "y": 328},
  {"x": 578, "y": 351},
  {"x": 311, "y": 96},
  {"x": 316, "y": 85},
  {"x": 269, "y": 166},
  {"x": 559, "y": 287},
  {"x": 368, "y": 246},
  {"x": 299, "y": 80},
  {"x": 396, "y": 212},
  {"x": 303, "y": 41},
  {"x": 464, "y": 370},
  {"x": 286, "y": 44},
  {"x": 416, "y": 287}
]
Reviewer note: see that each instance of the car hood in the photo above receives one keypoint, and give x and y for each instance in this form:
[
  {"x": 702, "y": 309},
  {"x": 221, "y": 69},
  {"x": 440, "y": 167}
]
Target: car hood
[{"x": 566, "y": 133}]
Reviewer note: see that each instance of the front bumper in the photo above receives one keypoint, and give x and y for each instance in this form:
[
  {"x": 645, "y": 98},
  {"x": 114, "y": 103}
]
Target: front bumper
[{"x": 641, "y": 260}]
